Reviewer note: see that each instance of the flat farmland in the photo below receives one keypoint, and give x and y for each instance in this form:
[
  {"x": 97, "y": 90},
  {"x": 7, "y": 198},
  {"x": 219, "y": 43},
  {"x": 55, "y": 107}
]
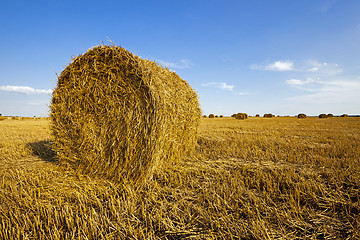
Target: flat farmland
[{"x": 259, "y": 178}]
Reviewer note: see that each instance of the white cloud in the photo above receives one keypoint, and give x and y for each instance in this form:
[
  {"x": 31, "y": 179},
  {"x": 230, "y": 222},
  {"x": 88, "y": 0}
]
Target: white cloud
[
  {"x": 275, "y": 66},
  {"x": 24, "y": 90},
  {"x": 280, "y": 66},
  {"x": 297, "y": 82},
  {"x": 181, "y": 64},
  {"x": 313, "y": 69},
  {"x": 242, "y": 93},
  {"x": 324, "y": 68},
  {"x": 330, "y": 91},
  {"x": 311, "y": 66},
  {"x": 323, "y": 83},
  {"x": 221, "y": 85}
]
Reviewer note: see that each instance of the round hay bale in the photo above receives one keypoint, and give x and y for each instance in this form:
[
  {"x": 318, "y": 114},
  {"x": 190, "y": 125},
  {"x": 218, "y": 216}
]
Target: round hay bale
[
  {"x": 301, "y": 115},
  {"x": 330, "y": 115},
  {"x": 242, "y": 116},
  {"x": 323, "y": 115},
  {"x": 344, "y": 115},
  {"x": 221, "y": 116},
  {"x": 257, "y": 115},
  {"x": 211, "y": 116},
  {"x": 119, "y": 116},
  {"x": 268, "y": 115}
]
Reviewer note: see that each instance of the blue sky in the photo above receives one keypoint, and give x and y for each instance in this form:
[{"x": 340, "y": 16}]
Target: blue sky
[{"x": 259, "y": 56}]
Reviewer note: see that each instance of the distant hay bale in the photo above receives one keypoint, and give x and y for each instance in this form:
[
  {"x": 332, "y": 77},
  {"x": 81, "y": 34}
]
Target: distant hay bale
[
  {"x": 330, "y": 115},
  {"x": 268, "y": 115},
  {"x": 216, "y": 116},
  {"x": 344, "y": 115},
  {"x": 234, "y": 115},
  {"x": 242, "y": 116},
  {"x": 204, "y": 116},
  {"x": 301, "y": 115},
  {"x": 119, "y": 116},
  {"x": 211, "y": 116},
  {"x": 221, "y": 116},
  {"x": 322, "y": 115},
  {"x": 257, "y": 115}
]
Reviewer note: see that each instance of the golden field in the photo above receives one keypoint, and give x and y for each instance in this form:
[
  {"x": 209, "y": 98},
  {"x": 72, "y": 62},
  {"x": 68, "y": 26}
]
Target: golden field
[{"x": 259, "y": 178}]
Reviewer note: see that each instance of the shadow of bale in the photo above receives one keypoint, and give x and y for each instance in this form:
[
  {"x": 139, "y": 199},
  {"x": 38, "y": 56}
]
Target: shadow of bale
[{"x": 43, "y": 149}]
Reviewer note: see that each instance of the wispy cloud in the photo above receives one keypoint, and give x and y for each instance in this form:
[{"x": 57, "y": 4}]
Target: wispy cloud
[
  {"x": 181, "y": 64},
  {"x": 24, "y": 90},
  {"x": 275, "y": 66},
  {"x": 329, "y": 91},
  {"x": 221, "y": 85},
  {"x": 324, "y": 6},
  {"x": 297, "y": 82},
  {"x": 323, "y": 68},
  {"x": 242, "y": 93},
  {"x": 310, "y": 66},
  {"x": 323, "y": 83}
]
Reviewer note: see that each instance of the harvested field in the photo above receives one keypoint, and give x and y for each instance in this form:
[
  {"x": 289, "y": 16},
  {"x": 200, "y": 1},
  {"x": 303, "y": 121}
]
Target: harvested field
[{"x": 263, "y": 178}]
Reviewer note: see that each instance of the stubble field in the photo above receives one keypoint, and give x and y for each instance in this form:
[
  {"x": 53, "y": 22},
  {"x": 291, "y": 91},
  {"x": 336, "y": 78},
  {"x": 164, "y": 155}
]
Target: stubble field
[{"x": 278, "y": 178}]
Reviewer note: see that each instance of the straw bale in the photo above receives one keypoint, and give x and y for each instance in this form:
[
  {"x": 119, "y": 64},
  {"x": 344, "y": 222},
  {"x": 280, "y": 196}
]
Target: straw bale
[
  {"x": 241, "y": 116},
  {"x": 330, "y": 115},
  {"x": 344, "y": 115},
  {"x": 323, "y": 115},
  {"x": 301, "y": 115},
  {"x": 119, "y": 116},
  {"x": 211, "y": 116},
  {"x": 268, "y": 115}
]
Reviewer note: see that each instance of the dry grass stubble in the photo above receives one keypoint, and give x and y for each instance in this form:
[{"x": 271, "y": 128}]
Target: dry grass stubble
[{"x": 255, "y": 179}]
